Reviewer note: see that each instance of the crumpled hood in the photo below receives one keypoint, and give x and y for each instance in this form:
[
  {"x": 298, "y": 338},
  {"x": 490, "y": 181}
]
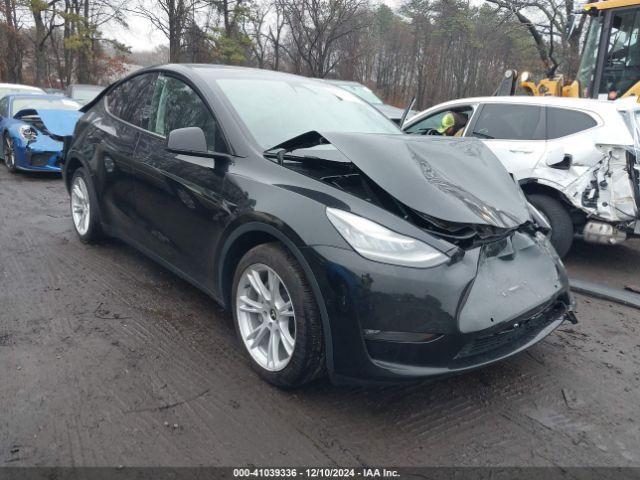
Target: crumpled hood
[
  {"x": 59, "y": 122},
  {"x": 456, "y": 180}
]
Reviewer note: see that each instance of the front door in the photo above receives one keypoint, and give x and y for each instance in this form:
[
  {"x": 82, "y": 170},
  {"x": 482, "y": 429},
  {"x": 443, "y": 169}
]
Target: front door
[{"x": 179, "y": 197}]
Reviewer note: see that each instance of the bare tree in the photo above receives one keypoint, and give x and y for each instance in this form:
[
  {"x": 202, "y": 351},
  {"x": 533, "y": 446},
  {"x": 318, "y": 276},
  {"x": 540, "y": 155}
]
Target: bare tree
[
  {"x": 276, "y": 31},
  {"x": 171, "y": 17},
  {"x": 253, "y": 28},
  {"x": 316, "y": 26},
  {"x": 548, "y": 21},
  {"x": 44, "y": 17},
  {"x": 11, "y": 30}
]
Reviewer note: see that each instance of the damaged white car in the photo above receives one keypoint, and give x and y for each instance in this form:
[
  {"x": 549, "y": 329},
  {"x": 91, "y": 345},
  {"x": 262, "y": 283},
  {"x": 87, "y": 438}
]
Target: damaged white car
[{"x": 574, "y": 158}]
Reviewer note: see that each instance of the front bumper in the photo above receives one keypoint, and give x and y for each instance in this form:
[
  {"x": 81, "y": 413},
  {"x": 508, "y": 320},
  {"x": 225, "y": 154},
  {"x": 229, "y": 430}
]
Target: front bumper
[
  {"x": 40, "y": 156},
  {"x": 495, "y": 302}
]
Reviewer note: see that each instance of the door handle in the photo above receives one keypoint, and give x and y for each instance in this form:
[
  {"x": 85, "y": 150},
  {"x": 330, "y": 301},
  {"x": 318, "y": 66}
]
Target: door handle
[{"x": 520, "y": 151}]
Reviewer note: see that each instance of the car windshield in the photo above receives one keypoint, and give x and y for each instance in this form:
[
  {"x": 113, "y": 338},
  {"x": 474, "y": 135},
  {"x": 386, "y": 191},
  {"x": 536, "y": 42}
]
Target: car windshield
[
  {"x": 363, "y": 92},
  {"x": 44, "y": 103},
  {"x": 278, "y": 110},
  {"x": 85, "y": 94}
]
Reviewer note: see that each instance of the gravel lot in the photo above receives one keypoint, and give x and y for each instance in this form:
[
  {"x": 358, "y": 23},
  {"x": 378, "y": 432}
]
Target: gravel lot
[{"x": 108, "y": 359}]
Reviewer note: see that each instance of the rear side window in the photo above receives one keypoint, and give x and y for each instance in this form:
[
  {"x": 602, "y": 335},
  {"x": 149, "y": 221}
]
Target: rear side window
[
  {"x": 562, "y": 122},
  {"x": 510, "y": 122},
  {"x": 131, "y": 100}
]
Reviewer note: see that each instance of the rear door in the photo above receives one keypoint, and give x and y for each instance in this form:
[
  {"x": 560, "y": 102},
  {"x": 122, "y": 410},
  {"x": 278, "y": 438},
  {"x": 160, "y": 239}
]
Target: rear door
[
  {"x": 119, "y": 132},
  {"x": 514, "y": 132},
  {"x": 179, "y": 197},
  {"x": 570, "y": 133}
]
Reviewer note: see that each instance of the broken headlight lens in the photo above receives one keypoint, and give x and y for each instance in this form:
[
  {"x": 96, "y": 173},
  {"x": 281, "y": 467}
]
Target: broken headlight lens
[
  {"x": 375, "y": 242},
  {"x": 538, "y": 218},
  {"x": 28, "y": 133}
]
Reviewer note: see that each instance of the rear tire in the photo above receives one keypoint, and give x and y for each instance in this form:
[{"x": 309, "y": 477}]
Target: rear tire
[
  {"x": 272, "y": 301},
  {"x": 562, "y": 230},
  {"x": 84, "y": 207}
]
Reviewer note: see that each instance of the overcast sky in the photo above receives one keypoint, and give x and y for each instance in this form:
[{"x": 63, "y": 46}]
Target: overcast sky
[{"x": 141, "y": 35}]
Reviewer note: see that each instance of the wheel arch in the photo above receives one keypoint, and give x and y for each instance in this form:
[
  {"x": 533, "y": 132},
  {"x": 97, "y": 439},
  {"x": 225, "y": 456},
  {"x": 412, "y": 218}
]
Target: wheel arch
[
  {"x": 72, "y": 164},
  {"x": 531, "y": 186},
  {"x": 254, "y": 233}
]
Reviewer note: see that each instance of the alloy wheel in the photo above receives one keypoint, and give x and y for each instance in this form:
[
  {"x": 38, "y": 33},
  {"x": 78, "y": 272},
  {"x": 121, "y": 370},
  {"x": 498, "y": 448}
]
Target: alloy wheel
[
  {"x": 9, "y": 156},
  {"x": 80, "y": 205},
  {"x": 266, "y": 318}
]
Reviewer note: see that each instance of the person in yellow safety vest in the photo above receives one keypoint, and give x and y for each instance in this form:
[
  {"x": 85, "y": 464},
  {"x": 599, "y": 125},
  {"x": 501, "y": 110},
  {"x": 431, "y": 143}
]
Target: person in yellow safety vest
[{"x": 452, "y": 124}]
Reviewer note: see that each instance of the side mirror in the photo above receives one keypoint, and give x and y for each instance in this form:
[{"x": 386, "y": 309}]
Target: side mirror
[{"x": 188, "y": 141}]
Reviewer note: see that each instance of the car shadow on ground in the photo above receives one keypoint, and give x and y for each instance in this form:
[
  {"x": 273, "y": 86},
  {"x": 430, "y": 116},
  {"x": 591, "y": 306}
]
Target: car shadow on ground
[{"x": 36, "y": 176}]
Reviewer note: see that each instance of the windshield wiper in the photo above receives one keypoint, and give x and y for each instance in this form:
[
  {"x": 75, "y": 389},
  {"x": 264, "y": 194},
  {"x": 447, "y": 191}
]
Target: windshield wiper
[
  {"x": 281, "y": 154},
  {"x": 306, "y": 140}
]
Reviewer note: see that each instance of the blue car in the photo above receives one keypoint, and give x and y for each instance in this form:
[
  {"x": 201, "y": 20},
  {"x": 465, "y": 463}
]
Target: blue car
[{"x": 32, "y": 129}]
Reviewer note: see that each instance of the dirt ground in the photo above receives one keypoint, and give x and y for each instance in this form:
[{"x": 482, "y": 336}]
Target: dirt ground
[{"x": 108, "y": 359}]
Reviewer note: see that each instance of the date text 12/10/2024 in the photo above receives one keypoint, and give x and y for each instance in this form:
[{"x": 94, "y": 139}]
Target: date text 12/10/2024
[{"x": 363, "y": 472}]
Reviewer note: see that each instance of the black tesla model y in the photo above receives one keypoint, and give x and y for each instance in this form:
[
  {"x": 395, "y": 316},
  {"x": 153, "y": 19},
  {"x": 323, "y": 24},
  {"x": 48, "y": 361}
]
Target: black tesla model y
[{"x": 341, "y": 245}]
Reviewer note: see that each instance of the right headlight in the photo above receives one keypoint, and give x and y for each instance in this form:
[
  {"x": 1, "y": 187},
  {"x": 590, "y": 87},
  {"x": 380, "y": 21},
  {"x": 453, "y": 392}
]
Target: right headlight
[
  {"x": 375, "y": 242},
  {"x": 28, "y": 133}
]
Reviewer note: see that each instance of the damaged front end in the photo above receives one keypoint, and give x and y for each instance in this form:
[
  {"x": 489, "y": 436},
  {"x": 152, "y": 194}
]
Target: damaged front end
[
  {"x": 456, "y": 191},
  {"x": 41, "y": 136},
  {"x": 608, "y": 193},
  {"x": 502, "y": 289}
]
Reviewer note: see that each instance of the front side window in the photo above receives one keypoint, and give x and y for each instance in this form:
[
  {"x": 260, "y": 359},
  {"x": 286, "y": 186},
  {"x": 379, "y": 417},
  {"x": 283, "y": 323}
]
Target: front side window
[
  {"x": 278, "y": 110},
  {"x": 510, "y": 122},
  {"x": 4, "y": 107},
  {"x": 130, "y": 100},
  {"x": 176, "y": 105},
  {"x": 437, "y": 124},
  {"x": 562, "y": 122}
]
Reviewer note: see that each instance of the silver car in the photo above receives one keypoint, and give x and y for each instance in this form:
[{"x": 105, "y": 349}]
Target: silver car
[
  {"x": 7, "y": 88},
  {"x": 575, "y": 159}
]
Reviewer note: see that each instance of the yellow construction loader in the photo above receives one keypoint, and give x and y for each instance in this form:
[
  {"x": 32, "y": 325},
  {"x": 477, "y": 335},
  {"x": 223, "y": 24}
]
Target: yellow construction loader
[{"x": 610, "y": 62}]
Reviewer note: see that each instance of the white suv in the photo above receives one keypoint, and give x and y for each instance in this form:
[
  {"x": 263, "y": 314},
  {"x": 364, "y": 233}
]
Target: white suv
[{"x": 575, "y": 159}]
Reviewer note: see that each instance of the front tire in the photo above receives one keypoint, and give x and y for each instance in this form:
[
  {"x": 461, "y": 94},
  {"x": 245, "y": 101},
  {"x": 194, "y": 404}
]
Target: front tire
[
  {"x": 9, "y": 154},
  {"x": 562, "y": 230},
  {"x": 276, "y": 317},
  {"x": 84, "y": 207}
]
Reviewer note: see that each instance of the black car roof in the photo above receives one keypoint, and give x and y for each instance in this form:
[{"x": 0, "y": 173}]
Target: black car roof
[
  {"x": 227, "y": 71},
  {"x": 213, "y": 70}
]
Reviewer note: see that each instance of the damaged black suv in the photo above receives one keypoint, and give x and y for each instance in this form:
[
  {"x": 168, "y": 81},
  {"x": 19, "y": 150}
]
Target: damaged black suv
[{"x": 341, "y": 245}]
